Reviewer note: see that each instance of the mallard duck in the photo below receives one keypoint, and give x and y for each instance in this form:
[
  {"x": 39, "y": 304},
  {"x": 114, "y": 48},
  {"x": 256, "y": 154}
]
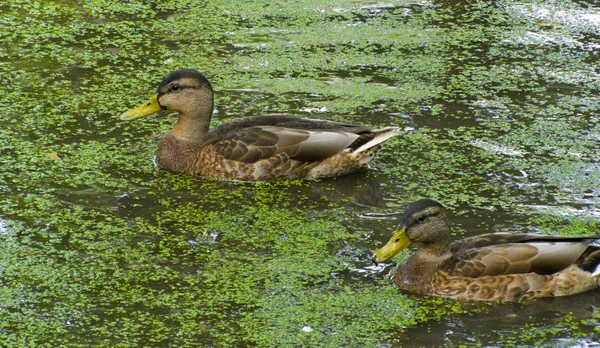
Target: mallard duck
[
  {"x": 495, "y": 266},
  {"x": 257, "y": 148}
]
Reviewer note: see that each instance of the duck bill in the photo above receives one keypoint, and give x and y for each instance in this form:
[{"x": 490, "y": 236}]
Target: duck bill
[
  {"x": 398, "y": 242},
  {"x": 150, "y": 108}
]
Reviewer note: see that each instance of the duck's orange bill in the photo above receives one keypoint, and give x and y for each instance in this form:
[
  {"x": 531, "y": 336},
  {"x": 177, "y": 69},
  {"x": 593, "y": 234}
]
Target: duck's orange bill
[{"x": 150, "y": 108}]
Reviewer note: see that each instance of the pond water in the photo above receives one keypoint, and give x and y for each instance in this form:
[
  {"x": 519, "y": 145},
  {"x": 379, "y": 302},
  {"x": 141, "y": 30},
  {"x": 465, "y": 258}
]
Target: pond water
[{"x": 500, "y": 114}]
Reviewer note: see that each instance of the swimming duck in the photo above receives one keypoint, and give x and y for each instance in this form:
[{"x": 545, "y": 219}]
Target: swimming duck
[
  {"x": 495, "y": 266},
  {"x": 258, "y": 148}
]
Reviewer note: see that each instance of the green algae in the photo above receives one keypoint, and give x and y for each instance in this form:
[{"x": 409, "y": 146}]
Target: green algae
[{"x": 100, "y": 247}]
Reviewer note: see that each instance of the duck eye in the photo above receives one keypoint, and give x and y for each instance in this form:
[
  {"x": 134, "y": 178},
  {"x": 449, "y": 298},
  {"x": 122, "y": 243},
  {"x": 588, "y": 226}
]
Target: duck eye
[
  {"x": 421, "y": 218},
  {"x": 175, "y": 87}
]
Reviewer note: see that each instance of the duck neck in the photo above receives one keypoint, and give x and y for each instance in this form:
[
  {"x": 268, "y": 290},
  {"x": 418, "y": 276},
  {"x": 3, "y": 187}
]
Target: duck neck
[
  {"x": 194, "y": 119},
  {"x": 416, "y": 273},
  {"x": 436, "y": 244},
  {"x": 439, "y": 249}
]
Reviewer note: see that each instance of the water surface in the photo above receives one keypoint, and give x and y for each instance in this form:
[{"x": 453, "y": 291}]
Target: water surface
[{"x": 499, "y": 109}]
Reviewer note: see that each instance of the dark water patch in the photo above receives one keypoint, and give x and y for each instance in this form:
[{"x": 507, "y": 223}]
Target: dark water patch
[
  {"x": 88, "y": 197},
  {"x": 401, "y": 12},
  {"x": 587, "y": 3}
]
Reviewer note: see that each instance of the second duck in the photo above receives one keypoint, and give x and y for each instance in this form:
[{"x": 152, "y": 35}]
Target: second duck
[{"x": 491, "y": 266}]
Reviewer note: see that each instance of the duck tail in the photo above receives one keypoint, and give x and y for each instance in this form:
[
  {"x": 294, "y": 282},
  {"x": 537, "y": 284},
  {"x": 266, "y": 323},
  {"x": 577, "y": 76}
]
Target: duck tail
[
  {"x": 590, "y": 261},
  {"x": 378, "y": 136}
]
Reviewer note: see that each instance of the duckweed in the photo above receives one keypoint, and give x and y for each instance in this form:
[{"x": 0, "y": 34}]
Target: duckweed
[{"x": 99, "y": 247}]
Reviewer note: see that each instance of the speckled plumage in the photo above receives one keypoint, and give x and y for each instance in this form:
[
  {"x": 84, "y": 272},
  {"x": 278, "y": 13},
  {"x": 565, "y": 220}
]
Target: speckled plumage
[
  {"x": 258, "y": 148},
  {"x": 489, "y": 267}
]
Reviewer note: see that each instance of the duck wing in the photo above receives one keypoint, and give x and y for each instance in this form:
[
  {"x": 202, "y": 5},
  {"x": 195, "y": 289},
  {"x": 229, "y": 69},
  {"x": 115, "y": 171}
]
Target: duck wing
[
  {"x": 523, "y": 253},
  {"x": 488, "y": 239},
  {"x": 257, "y": 143},
  {"x": 303, "y": 123},
  {"x": 285, "y": 121}
]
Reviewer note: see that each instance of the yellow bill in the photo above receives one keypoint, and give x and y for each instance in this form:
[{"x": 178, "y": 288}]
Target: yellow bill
[
  {"x": 150, "y": 108},
  {"x": 398, "y": 242}
]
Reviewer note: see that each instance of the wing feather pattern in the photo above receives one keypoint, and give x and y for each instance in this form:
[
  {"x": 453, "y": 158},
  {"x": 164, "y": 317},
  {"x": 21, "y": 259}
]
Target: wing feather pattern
[
  {"x": 253, "y": 144},
  {"x": 514, "y": 254}
]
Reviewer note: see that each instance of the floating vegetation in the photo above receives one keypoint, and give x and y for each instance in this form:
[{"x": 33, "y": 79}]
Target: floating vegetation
[{"x": 100, "y": 247}]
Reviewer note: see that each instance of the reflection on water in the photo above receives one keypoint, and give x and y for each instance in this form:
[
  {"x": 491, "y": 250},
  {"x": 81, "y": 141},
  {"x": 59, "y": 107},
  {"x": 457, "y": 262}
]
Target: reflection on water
[
  {"x": 491, "y": 323},
  {"x": 358, "y": 189},
  {"x": 361, "y": 189}
]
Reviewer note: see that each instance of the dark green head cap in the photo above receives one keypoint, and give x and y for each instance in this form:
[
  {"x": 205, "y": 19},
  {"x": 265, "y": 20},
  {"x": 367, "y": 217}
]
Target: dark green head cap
[
  {"x": 418, "y": 206},
  {"x": 189, "y": 73}
]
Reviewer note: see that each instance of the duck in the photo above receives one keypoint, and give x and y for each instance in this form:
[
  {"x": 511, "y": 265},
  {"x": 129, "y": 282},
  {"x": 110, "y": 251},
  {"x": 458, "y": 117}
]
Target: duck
[
  {"x": 487, "y": 267},
  {"x": 256, "y": 148}
]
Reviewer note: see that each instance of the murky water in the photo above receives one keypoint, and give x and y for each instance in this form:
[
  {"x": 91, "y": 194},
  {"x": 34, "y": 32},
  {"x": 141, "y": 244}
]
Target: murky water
[{"x": 498, "y": 102}]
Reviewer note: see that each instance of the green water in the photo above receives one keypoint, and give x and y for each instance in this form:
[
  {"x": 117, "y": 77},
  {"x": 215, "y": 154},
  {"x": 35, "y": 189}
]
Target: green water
[{"x": 498, "y": 102}]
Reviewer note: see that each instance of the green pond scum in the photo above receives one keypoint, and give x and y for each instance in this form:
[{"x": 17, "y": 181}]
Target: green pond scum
[{"x": 498, "y": 102}]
